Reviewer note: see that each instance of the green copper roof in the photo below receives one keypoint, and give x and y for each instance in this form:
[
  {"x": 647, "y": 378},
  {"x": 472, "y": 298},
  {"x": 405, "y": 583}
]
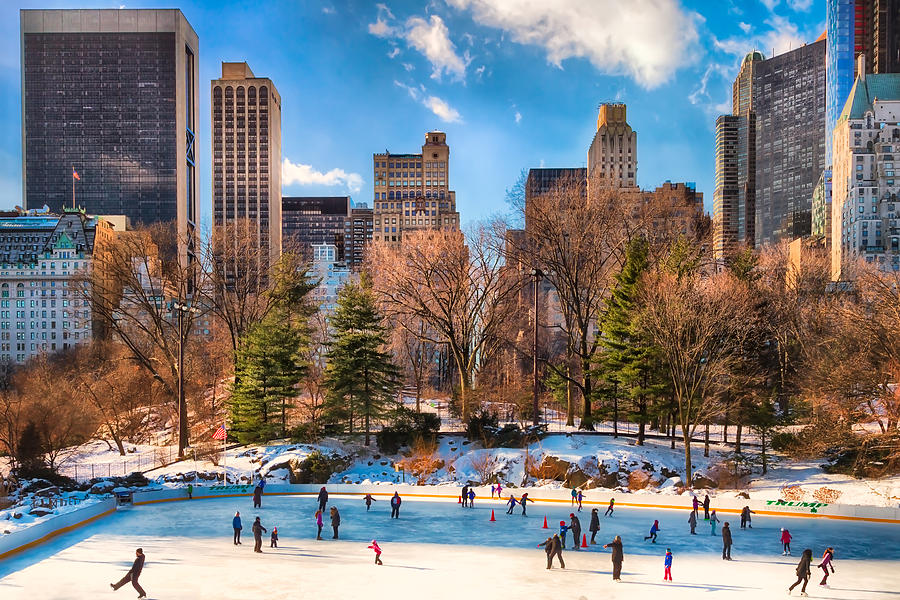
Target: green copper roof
[
  {"x": 754, "y": 56},
  {"x": 864, "y": 92},
  {"x": 64, "y": 242}
]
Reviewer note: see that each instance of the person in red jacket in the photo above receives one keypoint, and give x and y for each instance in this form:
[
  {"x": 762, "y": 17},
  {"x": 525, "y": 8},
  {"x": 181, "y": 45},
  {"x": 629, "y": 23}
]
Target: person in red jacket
[
  {"x": 785, "y": 542},
  {"x": 377, "y": 549}
]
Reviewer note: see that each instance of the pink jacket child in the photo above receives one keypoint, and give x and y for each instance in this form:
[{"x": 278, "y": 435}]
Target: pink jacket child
[
  {"x": 785, "y": 542},
  {"x": 374, "y": 546}
]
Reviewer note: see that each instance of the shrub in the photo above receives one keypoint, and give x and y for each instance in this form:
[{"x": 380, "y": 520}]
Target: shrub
[
  {"x": 305, "y": 433},
  {"x": 408, "y": 427},
  {"x": 784, "y": 441},
  {"x": 318, "y": 467},
  {"x": 477, "y": 423}
]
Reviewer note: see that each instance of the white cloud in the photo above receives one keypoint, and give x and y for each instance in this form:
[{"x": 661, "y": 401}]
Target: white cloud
[
  {"x": 770, "y": 4},
  {"x": 408, "y": 66},
  {"x": 432, "y": 39},
  {"x": 380, "y": 27},
  {"x": 800, "y": 5},
  {"x": 745, "y": 27},
  {"x": 646, "y": 39},
  {"x": 393, "y": 53},
  {"x": 442, "y": 110},
  {"x": 301, "y": 174},
  {"x": 782, "y": 36},
  {"x": 480, "y": 70},
  {"x": 701, "y": 94},
  {"x": 413, "y": 92},
  {"x": 518, "y": 117},
  {"x": 328, "y": 10}
]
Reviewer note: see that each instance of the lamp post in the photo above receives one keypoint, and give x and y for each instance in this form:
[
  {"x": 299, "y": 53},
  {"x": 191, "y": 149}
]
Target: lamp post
[
  {"x": 536, "y": 274},
  {"x": 181, "y": 308}
]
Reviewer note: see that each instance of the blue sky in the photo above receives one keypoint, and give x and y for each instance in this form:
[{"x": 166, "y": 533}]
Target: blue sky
[{"x": 514, "y": 83}]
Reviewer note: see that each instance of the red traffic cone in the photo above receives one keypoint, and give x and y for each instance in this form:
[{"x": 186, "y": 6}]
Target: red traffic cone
[
  {"x": 545, "y": 522},
  {"x": 492, "y": 515},
  {"x": 584, "y": 540},
  {"x": 459, "y": 500}
]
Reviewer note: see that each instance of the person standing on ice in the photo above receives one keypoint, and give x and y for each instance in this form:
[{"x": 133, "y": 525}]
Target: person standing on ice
[
  {"x": 471, "y": 497},
  {"x": 574, "y": 495},
  {"x": 726, "y": 541},
  {"x": 499, "y": 489},
  {"x": 785, "y": 542},
  {"x": 696, "y": 504},
  {"x": 190, "y": 491},
  {"x": 563, "y": 528},
  {"x": 377, "y": 549},
  {"x": 335, "y": 521},
  {"x": 610, "y": 508},
  {"x": 653, "y": 530},
  {"x": 395, "y": 506},
  {"x": 594, "y": 527},
  {"x": 319, "y": 524},
  {"x": 257, "y": 495},
  {"x": 369, "y": 500},
  {"x": 580, "y": 498},
  {"x": 323, "y": 498},
  {"x": 706, "y": 506},
  {"x": 575, "y": 526},
  {"x": 553, "y": 547},
  {"x": 465, "y": 495},
  {"x": 618, "y": 557},
  {"x": 667, "y": 563},
  {"x": 803, "y": 572},
  {"x": 236, "y": 525},
  {"x": 258, "y": 530},
  {"x": 493, "y": 489},
  {"x": 713, "y": 519},
  {"x": 133, "y": 574},
  {"x": 827, "y": 559},
  {"x": 273, "y": 539},
  {"x": 745, "y": 517},
  {"x": 524, "y": 500},
  {"x": 692, "y": 521},
  {"x": 511, "y": 503}
]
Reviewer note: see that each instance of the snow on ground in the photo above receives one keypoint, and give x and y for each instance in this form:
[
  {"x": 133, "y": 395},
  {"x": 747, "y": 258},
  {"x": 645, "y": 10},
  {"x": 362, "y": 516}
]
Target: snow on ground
[
  {"x": 811, "y": 478},
  {"x": 439, "y": 550},
  {"x": 9, "y": 522}
]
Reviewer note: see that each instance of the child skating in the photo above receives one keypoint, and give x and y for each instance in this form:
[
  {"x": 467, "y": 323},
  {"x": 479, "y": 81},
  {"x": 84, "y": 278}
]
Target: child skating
[
  {"x": 471, "y": 498},
  {"x": 563, "y": 528},
  {"x": 653, "y": 530},
  {"x": 574, "y": 496},
  {"x": 273, "y": 538},
  {"x": 713, "y": 519},
  {"x": 667, "y": 562},
  {"x": 377, "y": 549},
  {"x": 579, "y": 499},
  {"x": 369, "y": 500},
  {"x": 610, "y": 508},
  {"x": 785, "y": 542}
]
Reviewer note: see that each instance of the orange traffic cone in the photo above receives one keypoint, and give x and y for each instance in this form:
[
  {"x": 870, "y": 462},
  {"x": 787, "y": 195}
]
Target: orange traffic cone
[
  {"x": 459, "y": 500},
  {"x": 545, "y": 522},
  {"x": 492, "y": 515},
  {"x": 584, "y": 540}
]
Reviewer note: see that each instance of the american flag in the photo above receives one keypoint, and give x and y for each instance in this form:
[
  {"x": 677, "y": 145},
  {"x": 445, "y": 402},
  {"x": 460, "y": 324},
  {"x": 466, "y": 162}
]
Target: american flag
[
  {"x": 220, "y": 433},
  {"x": 75, "y": 174}
]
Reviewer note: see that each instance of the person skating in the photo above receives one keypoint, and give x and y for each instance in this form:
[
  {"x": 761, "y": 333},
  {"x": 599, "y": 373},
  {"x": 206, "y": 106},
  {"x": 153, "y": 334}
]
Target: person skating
[
  {"x": 511, "y": 503},
  {"x": 575, "y": 526},
  {"x": 803, "y": 572},
  {"x": 524, "y": 500},
  {"x": 610, "y": 508},
  {"x": 319, "y": 524},
  {"x": 745, "y": 517},
  {"x": 257, "y": 496},
  {"x": 465, "y": 495},
  {"x": 190, "y": 491},
  {"x": 617, "y": 557},
  {"x": 133, "y": 574},
  {"x": 553, "y": 547},
  {"x": 273, "y": 539},
  {"x": 563, "y": 528},
  {"x": 667, "y": 563},
  {"x": 335, "y": 521},
  {"x": 236, "y": 525},
  {"x": 653, "y": 529},
  {"x": 695, "y": 502},
  {"x": 574, "y": 496},
  {"x": 713, "y": 519},
  {"x": 594, "y": 527},
  {"x": 377, "y": 549},
  {"x": 395, "y": 506},
  {"x": 493, "y": 489},
  {"x": 706, "y": 507},
  {"x": 369, "y": 500},
  {"x": 827, "y": 559},
  {"x": 258, "y": 530},
  {"x": 471, "y": 497},
  {"x": 580, "y": 499},
  {"x": 499, "y": 489},
  {"x": 785, "y": 542},
  {"x": 323, "y": 498},
  {"x": 726, "y": 541},
  {"x": 692, "y": 521}
]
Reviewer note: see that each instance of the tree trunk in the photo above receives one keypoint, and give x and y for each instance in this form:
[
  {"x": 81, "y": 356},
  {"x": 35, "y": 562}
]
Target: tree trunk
[
  {"x": 615, "y": 409},
  {"x": 367, "y": 401},
  {"x": 642, "y": 417},
  {"x": 737, "y": 438},
  {"x": 687, "y": 456},
  {"x": 587, "y": 420},
  {"x": 725, "y": 428},
  {"x": 570, "y": 403},
  {"x": 762, "y": 439},
  {"x": 706, "y": 441}
]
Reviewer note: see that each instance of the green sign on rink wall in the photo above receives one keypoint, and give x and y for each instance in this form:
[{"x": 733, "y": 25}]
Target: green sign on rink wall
[
  {"x": 800, "y": 506},
  {"x": 231, "y": 488}
]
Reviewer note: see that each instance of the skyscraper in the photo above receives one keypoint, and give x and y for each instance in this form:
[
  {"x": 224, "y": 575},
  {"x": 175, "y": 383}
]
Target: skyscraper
[
  {"x": 309, "y": 220},
  {"x": 111, "y": 94},
  {"x": 729, "y": 217},
  {"x": 246, "y": 151},
  {"x": 358, "y": 232},
  {"x": 412, "y": 191},
  {"x": 612, "y": 154}
]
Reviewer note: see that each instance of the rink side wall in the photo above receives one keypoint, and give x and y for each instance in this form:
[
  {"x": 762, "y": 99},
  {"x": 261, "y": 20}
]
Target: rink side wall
[
  {"x": 592, "y": 498},
  {"x": 37, "y": 534}
]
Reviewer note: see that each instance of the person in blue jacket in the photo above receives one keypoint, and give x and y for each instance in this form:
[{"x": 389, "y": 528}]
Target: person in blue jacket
[
  {"x": 471, "y": 498},
  {"x": 236, "y": 525},
  {"x": 563, "y": 528},
  {"x": 395, "y": 506},
  {"x": 653, "y": 529},
  {"x": 511, "y": 503},
  {"x": 667, "y": 576}
]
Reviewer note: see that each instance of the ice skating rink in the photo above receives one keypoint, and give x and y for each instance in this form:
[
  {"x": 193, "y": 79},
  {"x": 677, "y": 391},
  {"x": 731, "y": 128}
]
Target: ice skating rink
[{"x": 440, "y": 550}]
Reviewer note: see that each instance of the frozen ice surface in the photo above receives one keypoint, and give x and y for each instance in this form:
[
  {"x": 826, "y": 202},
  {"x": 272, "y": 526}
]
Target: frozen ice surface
[{"x": 440, "y": 550}]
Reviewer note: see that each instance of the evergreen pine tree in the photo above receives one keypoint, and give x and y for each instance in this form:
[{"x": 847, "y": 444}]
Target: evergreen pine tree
[{"x": 360, "y": 376}]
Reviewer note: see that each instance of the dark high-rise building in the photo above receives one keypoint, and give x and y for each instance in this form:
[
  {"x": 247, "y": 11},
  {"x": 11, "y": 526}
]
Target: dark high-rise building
[
  {"x": 308, "y": 220},
  {"x": 357, "y": 234},
  {"x": 112, "y": 95},
  {"x": 542, "y": 181},
  {"x": 729, "y": 217},
  {"x": 789, "y": 108}
]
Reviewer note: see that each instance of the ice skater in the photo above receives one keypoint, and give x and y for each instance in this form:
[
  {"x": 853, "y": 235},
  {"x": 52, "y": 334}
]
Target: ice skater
[
  {"x": 377, "y": 549},
  {"x": 692, "y": 521},
  {"x": 273, "y": 539},
  {"x": 493, "y": 489},
  {"x": 511, "y": 503},
  {"x": 319, "y": 523},
  {"x": 695, "y": 502},
  {"x": 553, "y": 547},
  {"x": 803, "y": 572},
  {"x": 257, "y": 494},
  {"x": 258, "y": 530},
  {"x": 395, "y": 506},
  {"x": 323, "y": 498},
  {"x": 236, "y": 525},
  {"x": 563, "y": 528},
  {"x": 369, "y": 500},
  {"x": 580, "y": 499},
  {"x": 713, "y": 519},
  {"x": 471, "y": 497},
  {"x": 190, "y": 491},
  {"x": 745, "y": 517},
  {"x": 499, "y": 489},
  {"x": 667, "y": 563},
  {"x": 827, "y": 561},
  {"x": 653, "y": 530},
  {"x": 133, "y": 574},
  {"x": 610, "y": 508},
  {"x": 575, "y": 526},
  {"x": 465, "y": 495},
  {"x": 785, "y": 542},
  {"x": 706, "y": 507},
  {"x": 574, "y": 496},
  {"x": 524, "y": 500},
  {"x": 726, "y": 541},
  {"x": 594, "y": 527},
  {"x": 335, "y": 521},
  {"x": 617, "y": 557}
]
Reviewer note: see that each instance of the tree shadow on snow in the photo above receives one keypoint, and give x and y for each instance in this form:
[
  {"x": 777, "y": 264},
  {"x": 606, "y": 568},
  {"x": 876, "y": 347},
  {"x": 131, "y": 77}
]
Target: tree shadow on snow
[
  {"x": 696, "y": 586},
  {"x": 409, "y": 567}
]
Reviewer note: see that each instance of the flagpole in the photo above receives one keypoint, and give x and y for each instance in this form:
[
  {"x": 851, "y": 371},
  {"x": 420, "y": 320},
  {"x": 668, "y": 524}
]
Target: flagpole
[
  {"x": 73, "y": 187},
  {"x": 225, "y": 458}
]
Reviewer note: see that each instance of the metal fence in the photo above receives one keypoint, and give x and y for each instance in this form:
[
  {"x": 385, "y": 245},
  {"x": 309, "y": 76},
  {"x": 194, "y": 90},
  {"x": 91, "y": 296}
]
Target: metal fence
[{"x": 83, "y": 471}]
